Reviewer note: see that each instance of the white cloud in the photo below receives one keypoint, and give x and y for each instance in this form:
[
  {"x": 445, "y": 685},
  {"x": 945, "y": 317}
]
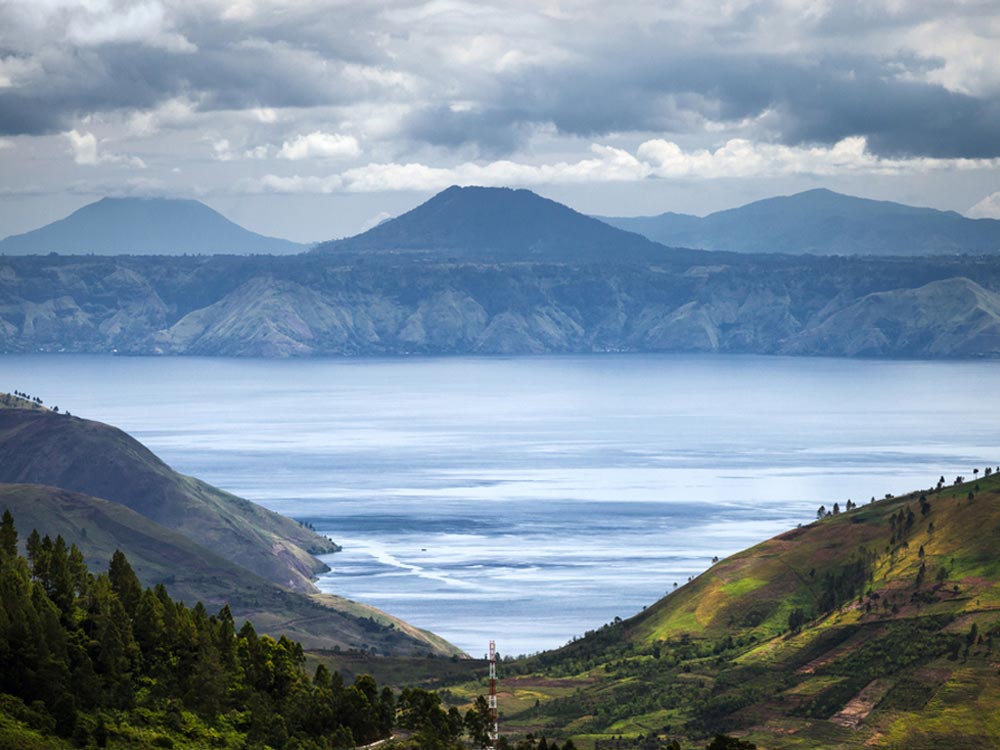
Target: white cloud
[
  {"x": 5, "y": 143},
  {"x": 375, "y": 220},
  {"x": 656, "y": 159},
  {"x": 145, "y": 22},
  {"x": 987, "y": 208},
  {"x": 172, "y": 113},
  {"x": 87, "y": 152},
  {"x": 15, "y": 71},
  {"x": 257, "y": 152},
  {"x": 266, "y": 115},
  {"x": 221, "y": 150},
  {"x": 319, "y": 145},
  {"x": 84, "y": 147}
]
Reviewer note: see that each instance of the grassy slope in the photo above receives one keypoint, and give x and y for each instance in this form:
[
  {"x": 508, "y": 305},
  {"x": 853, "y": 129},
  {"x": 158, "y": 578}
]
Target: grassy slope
[
  {"x": 192, "y": 573},
  {"x": 716, "y": 655},
  {"x": 40, "y": 447}
]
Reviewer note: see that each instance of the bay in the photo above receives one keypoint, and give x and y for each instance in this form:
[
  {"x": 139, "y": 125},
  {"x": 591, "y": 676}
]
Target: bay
[{"x": 529, "y": 499}]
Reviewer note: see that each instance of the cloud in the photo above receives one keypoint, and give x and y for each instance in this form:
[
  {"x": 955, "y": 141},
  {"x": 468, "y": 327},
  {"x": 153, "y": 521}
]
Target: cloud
[
  {"x": 221, "y": 150},
  {"x": 653, "y": 159},
  {"x": 84, "y": 147},
  {"x": 987, "y": 208},
  {"x": 86, "y": 152},
  {"x": 913, "y": 78},
  {"x": 375, "y": 220},
  {"x": 318, "y": 145},
  {"x": 333, "y": 96},
  {"x": 145, "y": 22}
]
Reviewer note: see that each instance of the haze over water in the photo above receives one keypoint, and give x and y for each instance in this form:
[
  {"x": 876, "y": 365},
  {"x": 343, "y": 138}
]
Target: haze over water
[{"x": 530, "y": 499}]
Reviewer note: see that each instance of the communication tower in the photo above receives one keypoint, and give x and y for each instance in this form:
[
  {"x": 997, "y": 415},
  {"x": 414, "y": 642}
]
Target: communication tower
[{"x": 494, "y": 726}]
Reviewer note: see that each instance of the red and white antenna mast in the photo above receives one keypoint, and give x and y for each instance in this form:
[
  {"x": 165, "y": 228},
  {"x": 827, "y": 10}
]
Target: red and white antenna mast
[{"x": 494, "y": 733}]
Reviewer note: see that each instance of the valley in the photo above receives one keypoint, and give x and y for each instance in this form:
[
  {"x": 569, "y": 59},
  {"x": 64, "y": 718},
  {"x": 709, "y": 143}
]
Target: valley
[{"x": 639, "y": 357}]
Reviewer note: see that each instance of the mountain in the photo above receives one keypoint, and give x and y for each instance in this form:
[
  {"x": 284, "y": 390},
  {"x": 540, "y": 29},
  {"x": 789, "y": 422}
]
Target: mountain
[
  {"x": 42, "y": 447},
  {"x": 875, "y": 626},
  {"x": 344, "y": 305},
  {"x": 825, "y": 223},
  {"x": 501, "y": 224},
  {"x": 145, "y": 226}
]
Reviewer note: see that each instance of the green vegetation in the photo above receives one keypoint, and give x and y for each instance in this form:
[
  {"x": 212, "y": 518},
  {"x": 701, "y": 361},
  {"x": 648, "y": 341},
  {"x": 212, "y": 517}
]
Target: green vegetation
[
  {"x": 99, "y": 661},
  {"x": 875, "y": 626},
  {"x": 193, "y": 573}
]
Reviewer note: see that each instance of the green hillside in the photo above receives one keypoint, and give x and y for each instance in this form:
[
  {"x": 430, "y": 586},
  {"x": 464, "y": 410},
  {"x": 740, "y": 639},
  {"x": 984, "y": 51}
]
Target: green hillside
[
  {"x": 93, "y": 660},
  {"x": 39, "y": 446},
  {"x": 193, "y": 573},
  {"x": 875, "y": 627}
]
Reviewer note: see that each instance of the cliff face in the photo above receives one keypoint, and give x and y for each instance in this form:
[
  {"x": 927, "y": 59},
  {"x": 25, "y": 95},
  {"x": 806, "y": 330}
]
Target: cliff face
[{"x": 350, "y": 305}]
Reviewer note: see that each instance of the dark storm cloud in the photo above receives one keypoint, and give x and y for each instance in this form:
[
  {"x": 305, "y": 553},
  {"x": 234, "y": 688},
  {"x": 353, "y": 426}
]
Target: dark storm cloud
[
  {"x": 228, "y": 66},
  {"x": 811, "y": 101},
  {"x": 815, "y": 80}
]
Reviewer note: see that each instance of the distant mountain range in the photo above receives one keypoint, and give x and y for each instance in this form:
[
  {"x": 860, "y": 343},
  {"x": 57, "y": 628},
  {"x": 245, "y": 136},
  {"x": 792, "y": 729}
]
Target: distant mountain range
[
  {"x": 822, "y": 222},
  {"x": 501, "y": 224},
  {"x": 506, "y": 225},
  {"x": 145, "y": 226},
  {"x": 497, "y": 271}
]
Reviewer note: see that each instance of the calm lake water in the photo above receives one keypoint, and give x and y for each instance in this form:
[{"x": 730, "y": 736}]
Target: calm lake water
[{"x": 530, "y": 499}]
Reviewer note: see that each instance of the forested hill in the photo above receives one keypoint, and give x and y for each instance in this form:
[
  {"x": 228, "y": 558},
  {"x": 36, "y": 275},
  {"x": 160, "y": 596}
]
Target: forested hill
[
  {"x": 95, "y": 661},
  {"x": 878, "y": 625}
]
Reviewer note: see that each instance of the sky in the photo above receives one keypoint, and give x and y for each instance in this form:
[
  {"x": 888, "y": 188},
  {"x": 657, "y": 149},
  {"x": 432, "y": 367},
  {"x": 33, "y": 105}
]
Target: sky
[{"x": 316, "y": 119}]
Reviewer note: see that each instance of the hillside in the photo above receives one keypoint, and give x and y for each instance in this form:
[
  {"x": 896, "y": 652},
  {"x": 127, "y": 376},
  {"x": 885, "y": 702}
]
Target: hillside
[
  {"x": 822, "y": 222},
  {"x": 875, "y": 627},
  {"x": 41, "y": 447},
  {"x": 193, "y": 573},
  {"x": 95, "y": 659},
  {"x": 144, "y": 226},
  {"x": 333, "y": 304},
  {"x": 501, "y": 224}
]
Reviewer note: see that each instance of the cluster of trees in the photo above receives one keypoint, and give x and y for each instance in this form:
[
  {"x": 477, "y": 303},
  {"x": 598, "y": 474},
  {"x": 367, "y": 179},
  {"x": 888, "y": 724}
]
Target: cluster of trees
[
  {"x": 26, "y": 397},
  {"x": 21, "y": 395},
  {"x": 846, "y": 581},
  {"x": 84, "y": 655}
]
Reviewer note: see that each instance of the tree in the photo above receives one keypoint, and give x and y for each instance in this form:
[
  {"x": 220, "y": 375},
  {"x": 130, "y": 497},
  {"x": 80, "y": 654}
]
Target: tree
[
  {"x": 478, "y": 723},
  {"x": 796, "y": 619},
  {"x": 8, "y": 536},
  {"x": 821, "y": 513},
  {"x": 125, "y": 582}
]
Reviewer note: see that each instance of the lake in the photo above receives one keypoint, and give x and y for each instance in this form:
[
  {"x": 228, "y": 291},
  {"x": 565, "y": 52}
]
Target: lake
[{"x": 529, "y": 499}]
